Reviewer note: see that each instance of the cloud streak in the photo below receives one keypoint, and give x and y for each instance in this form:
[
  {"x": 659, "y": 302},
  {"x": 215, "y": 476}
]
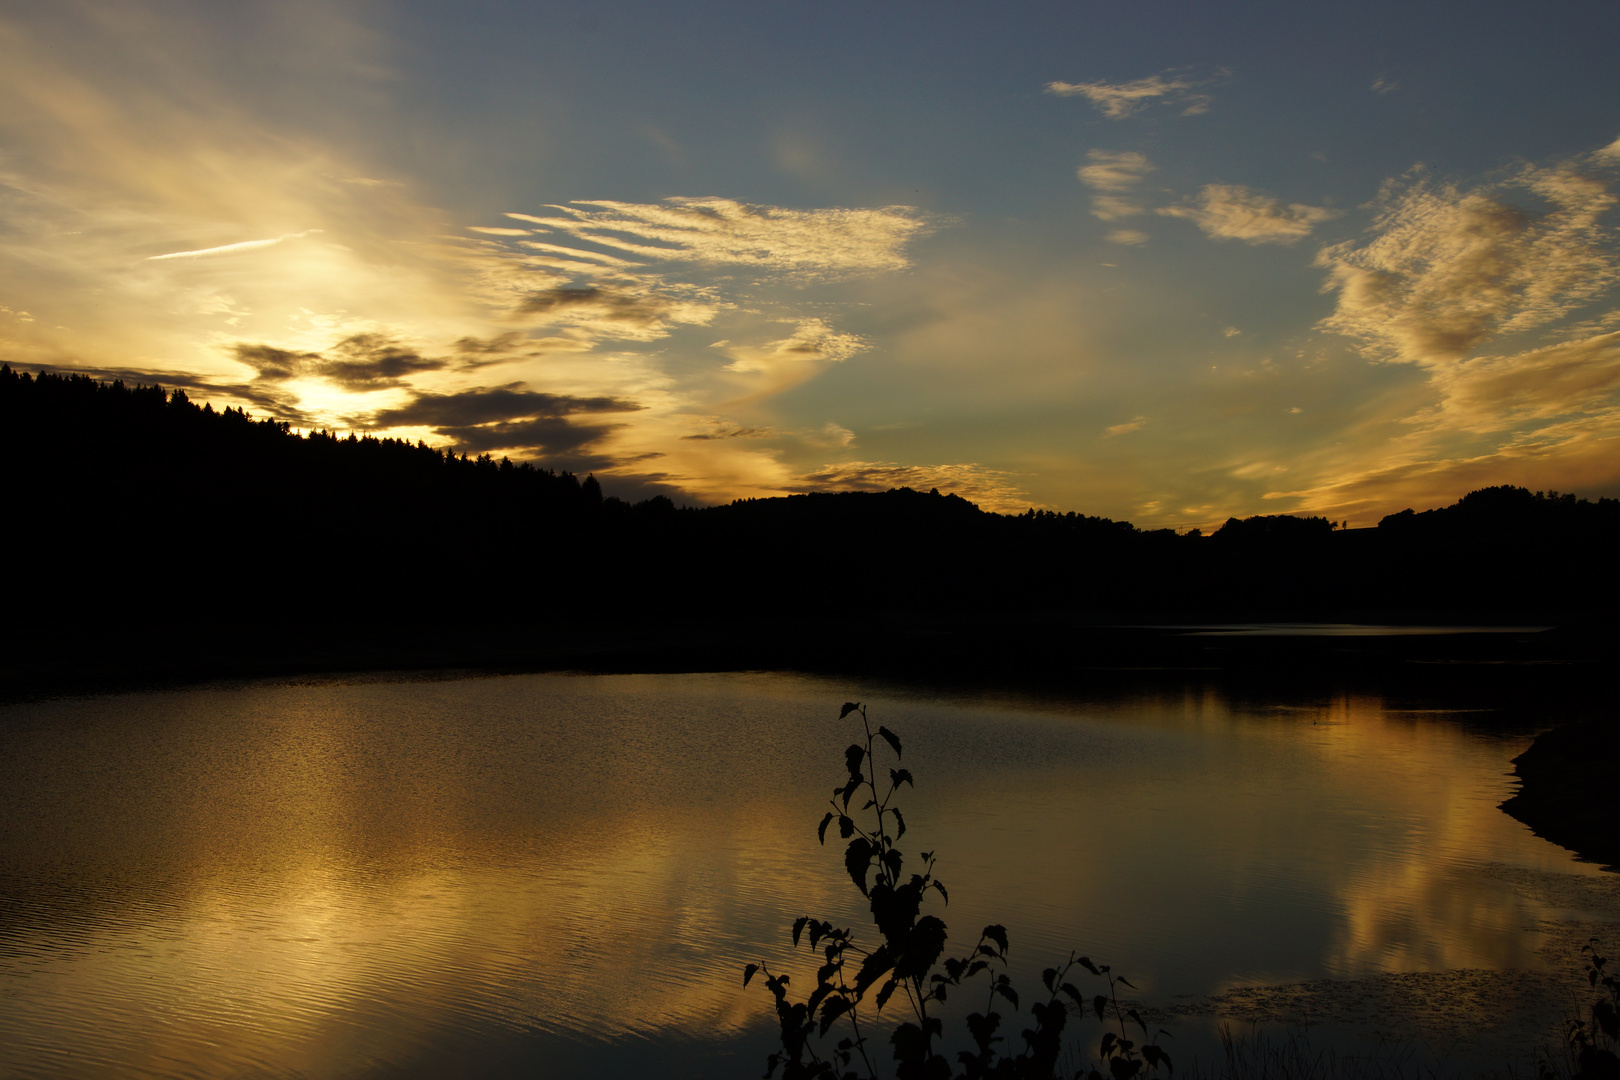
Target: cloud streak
[
  {"x": 233, "y": 249},
  {"x": 1117, "y": 101},
  {"x": 1497, "y": 393},
  {"x": 1112, "y": 176}
]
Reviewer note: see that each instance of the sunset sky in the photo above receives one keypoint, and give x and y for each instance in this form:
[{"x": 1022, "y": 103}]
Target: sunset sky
[{"x": 1158, "y": 261}]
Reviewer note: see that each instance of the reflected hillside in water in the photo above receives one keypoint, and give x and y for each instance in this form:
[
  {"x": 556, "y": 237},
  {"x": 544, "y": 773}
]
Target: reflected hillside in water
[{"x": 386, "y": 877}]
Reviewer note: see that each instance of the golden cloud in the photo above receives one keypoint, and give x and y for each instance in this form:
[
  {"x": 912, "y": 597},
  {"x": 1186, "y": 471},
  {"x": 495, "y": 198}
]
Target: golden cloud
[
  {"x": 1111, "y": 171},
  {"x": 1443, "y": 269},
  {"x": 718, "y": 232},
  {"x": 1494, "y": 393},
  {"x": 1120, "y": 100},
  {"x": 812, "y": 340},
  {"x": 1109, "y": 174},
  {"x": 1233, "y": 212}
]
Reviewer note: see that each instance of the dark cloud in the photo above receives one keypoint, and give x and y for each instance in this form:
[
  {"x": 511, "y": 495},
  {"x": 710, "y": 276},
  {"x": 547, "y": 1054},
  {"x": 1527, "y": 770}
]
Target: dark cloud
[
  {"x": 273, "y": 364},
  {"x": 500, "y": 343},
  {"x": 548, "y": 435},
  {"x": 599, "y": 302},
  {"x": 361, "y": 362},
  {"x": 499, "y": 405},
  {"x": 374, "y": 362},
  {"x": 732, "y": 433}
]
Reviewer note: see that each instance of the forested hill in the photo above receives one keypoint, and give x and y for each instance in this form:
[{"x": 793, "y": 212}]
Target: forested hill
[{"x": 131, "y": 506}]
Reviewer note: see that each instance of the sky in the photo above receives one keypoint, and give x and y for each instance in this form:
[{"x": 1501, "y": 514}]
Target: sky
[{"x": 1165, "y": 262}]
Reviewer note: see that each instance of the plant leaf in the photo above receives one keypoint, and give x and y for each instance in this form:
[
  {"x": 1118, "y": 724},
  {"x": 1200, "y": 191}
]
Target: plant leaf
[
  {"x": 1123, "y": 1068},
  {"x": 849, "y": 707},
  {"x": 858, "y": 860},
  {"x": 832, "y": 1010},
  {"x": 853, "y": 756},
  {"x": 995, "y": 932},
  {"x": 798, "y": 928},
  {"x": 892, "y": 739},
  {"x": 886, "y": 992},
  {"x": 821, "y": 831},
  {"x": 748, "y": 972},
  {"x": 873, "y": 968}
]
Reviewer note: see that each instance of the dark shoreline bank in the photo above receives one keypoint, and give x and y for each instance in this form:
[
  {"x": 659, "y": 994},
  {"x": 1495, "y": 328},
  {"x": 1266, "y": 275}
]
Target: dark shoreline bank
[{"x": 1570, "y": 790}]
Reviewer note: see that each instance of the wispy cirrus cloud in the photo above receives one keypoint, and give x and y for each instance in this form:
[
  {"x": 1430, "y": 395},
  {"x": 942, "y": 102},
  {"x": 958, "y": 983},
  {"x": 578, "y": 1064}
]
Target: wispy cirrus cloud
[
  {"x": 725, "y": 232},
  {"x": 1112, "y": 176},
  {"x": 1134, "y": 424},
  {"x": 1120, "y": 100},
  {"x": 1114, "y": 171},
  {"x": 1234, "y": 212},
  {"x": 811, "y": 340},
  {"x": 1443, "y": 269},
  {"x": 1498, "y": 393}
]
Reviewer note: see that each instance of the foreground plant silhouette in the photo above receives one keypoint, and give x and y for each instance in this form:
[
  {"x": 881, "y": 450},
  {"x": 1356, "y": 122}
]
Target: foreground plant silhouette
[
  {"x": 907, "y": 961},
  {"x": 1593, "y": 1039}
]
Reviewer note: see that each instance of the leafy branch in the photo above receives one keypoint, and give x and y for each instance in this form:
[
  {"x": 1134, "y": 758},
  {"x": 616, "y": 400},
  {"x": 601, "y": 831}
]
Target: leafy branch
[{"x": 855, "y": 984}]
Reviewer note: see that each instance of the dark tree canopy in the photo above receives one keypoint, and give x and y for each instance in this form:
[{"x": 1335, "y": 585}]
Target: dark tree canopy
[{"x": 133, "y": 505}]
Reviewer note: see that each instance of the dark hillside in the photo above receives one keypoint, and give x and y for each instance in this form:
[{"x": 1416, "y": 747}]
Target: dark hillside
[
  {"x": 138, "y": 520},
  {"x": 133, "y": 504}
]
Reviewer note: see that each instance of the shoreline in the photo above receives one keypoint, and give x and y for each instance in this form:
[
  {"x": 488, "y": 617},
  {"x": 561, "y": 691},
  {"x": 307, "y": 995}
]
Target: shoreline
[
  {"x": 1569, "y": 790},
  {"x": 1571, "y": 664}
]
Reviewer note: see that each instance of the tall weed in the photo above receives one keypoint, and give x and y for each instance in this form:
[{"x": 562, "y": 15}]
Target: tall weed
[{"x": 908, "y": 972}]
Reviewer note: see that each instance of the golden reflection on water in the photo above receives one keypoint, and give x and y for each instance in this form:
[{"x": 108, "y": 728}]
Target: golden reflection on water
[{"x": 328, "y": 880}]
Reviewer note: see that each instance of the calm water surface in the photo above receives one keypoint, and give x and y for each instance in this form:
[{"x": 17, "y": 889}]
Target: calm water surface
[{"x": 563, "y": 875}]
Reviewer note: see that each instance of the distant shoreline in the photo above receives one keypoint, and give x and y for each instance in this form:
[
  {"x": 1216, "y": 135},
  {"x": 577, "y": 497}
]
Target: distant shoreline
[{"x": 1048, "y": 651}]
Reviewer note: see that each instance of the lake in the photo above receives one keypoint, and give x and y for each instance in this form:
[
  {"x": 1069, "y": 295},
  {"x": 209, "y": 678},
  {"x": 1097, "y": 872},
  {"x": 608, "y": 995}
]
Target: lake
[{"x": 563, "y": 875}]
